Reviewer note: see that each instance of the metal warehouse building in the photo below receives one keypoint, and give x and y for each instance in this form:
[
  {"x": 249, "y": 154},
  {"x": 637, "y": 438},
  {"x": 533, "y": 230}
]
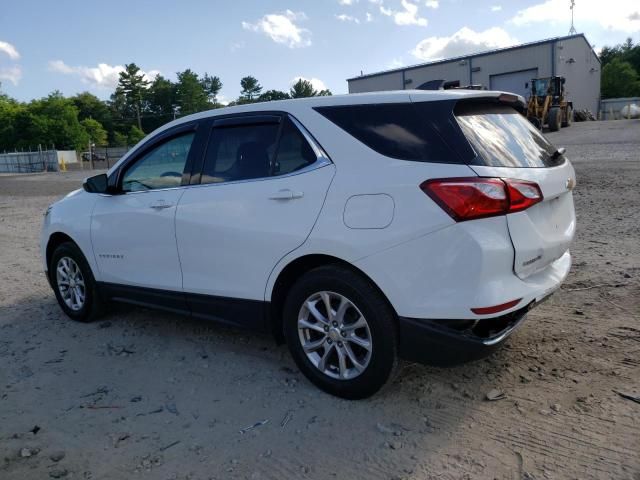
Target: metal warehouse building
[{"x": 509, "y": 69}]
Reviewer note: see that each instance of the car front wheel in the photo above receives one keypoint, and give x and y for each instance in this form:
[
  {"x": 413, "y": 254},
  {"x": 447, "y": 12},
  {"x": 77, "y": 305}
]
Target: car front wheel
[
  {"x": 341, "y": 332},
  {"x": 73, "y": 283}
]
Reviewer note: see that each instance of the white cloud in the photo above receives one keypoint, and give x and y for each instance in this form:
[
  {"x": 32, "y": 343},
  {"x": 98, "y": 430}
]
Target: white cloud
[
  {"x": 10, "y": 50},
  {"x": 496, "y": 8},
  {"x": 12, "y": 74},
  {"x": 103, "y": 75},
  {"x": 281, "y": 28},
  {"x": 462, "y": 42},
  {"x": 408, "y": 16},
  {"x": 316, "y": 82},
  {"x": 376, "y": 2},
  {"x": 621, "y": 15},
  {"x": 347, "y": 18},
  {"x": 369, "y": 17},
  {"x": 395, "y": 63},
  {"x": 347, "y": 2},
  {"x": 432, "y": 3}
]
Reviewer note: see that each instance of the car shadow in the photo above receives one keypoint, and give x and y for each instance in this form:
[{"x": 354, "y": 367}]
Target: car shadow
[{"x": 232, "y": 395}]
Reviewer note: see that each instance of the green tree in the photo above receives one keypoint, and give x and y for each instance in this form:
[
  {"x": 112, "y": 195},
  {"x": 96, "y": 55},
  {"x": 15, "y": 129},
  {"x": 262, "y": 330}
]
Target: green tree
[
  {"x": 271, "y": 95},
  {"x": 119, "y": 140},
  {"x": 302, "y": 89},
  {"x": 47, "y": 121},
  {"x": 9, "y": 110},
  {"x": 619, "y": 79},
  {"x": 161, "y": 102},
  {"x": 250, "y": 88},
  {"x": 190, "y": 94},
  {"x": 626, "y": 52},
  {"x": 132, "y": 87},
  {"x": 135, "y": 135},
  {"x": 97, "y": 134},
  {"x": 90, "y": 106},
  {"x": 607, "y": 54},
  {"x": 211, "y": 86}
]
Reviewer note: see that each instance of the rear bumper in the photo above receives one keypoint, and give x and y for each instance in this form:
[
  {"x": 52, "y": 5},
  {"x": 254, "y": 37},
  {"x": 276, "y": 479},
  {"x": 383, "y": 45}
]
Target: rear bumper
[
  {"x": 447, "y": 273},
  {"x": 451, "y": 342}
]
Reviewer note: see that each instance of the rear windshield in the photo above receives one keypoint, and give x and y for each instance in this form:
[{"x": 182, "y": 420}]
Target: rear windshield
[
  {"x": 502, "y": 137},
  {"x": 396, "y": 130}
]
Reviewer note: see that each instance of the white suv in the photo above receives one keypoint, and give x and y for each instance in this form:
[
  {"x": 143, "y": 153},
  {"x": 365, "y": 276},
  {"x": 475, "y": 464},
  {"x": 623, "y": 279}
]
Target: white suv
[{"x": 357, "y": 228}]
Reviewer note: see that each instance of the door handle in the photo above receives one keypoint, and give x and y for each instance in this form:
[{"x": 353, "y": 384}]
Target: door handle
[
  {"x": 286, "y": 194},
  {"x": 160, "y": 205}
]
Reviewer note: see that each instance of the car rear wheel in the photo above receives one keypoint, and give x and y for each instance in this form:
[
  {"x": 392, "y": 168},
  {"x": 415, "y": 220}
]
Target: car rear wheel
[
  {"x": 341, "y": 332},
  {"x": 73, "y": 283}
]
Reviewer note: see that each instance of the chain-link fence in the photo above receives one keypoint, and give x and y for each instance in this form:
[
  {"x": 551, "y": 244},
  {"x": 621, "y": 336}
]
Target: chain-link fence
[
  {"x": 102, "y": 157},
  {"x": 29, "y": 162}
]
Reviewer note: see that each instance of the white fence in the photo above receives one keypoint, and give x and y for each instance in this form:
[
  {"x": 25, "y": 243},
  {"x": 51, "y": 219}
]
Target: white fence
[{"x": 29, "y": 162}]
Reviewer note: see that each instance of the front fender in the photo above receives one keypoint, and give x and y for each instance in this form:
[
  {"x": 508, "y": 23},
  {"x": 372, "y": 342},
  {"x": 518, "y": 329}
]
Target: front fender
[{"x": 71, "y": 216}]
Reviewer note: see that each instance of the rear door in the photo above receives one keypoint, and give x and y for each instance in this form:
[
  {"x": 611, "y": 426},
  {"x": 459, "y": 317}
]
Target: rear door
[
  {"x": 263, "y": 185},
  {"x": 508, "y": 146}
]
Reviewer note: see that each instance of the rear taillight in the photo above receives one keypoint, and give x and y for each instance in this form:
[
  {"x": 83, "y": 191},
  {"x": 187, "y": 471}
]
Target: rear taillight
[{"x": 475, "y": 197}]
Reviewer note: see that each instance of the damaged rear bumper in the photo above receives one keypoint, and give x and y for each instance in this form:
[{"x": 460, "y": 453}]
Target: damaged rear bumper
[{"x": 451, "y": 342}]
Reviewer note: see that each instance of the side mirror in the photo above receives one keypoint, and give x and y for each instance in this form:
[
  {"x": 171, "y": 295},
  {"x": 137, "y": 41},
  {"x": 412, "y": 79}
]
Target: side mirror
[{"x": 96, "y": 184}]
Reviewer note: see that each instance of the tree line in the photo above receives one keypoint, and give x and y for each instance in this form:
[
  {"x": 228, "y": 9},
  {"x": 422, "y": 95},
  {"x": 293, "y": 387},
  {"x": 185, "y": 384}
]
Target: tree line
[
  {"x": 620, "y": 70},
  {"x": 136, "y": 107}
]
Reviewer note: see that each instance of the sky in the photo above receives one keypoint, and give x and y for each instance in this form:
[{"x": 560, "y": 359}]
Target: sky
[{"x": 80, "y": 45}]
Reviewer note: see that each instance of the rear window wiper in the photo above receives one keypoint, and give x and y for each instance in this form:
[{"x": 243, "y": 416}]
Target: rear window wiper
[{"x": 558, "y": 153}]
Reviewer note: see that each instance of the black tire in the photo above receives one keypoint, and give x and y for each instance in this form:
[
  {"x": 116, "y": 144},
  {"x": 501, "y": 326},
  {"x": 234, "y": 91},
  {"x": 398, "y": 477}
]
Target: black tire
[
  {"x": 92, "y": 307},
  {"x": 568, "y": 118},
  {"x": 379, "y": 316},
  {"x": 555, "y": 119}
]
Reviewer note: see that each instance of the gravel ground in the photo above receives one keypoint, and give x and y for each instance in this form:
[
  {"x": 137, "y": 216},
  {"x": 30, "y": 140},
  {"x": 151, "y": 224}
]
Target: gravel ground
[{"x": 149, "y": 395}]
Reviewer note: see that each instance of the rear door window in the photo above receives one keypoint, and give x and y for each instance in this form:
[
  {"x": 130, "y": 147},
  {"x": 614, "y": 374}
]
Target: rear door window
[
  {"x": 248, "y": 151},
  {"x": 240, "y": 152},
  {"x": 502, "y": 137},
  {"x": 396, "y": 130}
]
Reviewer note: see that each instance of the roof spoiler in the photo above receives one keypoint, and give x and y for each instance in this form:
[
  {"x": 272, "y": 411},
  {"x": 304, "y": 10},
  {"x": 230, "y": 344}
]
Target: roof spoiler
[{"x": 503, "y": 98}]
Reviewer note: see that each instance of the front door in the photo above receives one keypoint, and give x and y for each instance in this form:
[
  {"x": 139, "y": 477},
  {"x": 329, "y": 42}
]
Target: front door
[{"x": 133, "y": 232}]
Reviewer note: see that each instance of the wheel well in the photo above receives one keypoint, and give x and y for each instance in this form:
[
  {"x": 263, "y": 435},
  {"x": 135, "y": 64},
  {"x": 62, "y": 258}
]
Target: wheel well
[
  {"x": 292, "y": 272},
  {"x": 56, "y": 239}
]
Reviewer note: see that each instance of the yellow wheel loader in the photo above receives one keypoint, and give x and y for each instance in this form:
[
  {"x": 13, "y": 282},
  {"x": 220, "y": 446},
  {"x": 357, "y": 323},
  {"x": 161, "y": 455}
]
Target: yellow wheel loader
[{"x": 548, "y": 104}]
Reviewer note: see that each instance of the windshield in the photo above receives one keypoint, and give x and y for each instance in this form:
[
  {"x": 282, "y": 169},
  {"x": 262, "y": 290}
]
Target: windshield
[
  {"x": 502, "y": 137},
  {"x": 540, "y": 87}
]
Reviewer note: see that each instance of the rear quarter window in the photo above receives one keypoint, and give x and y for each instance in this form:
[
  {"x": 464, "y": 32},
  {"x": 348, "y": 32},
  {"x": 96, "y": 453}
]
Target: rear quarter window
[{"x": 396, "y": 130}]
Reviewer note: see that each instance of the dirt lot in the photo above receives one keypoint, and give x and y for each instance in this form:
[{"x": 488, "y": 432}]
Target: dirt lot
[{"x": 149, "y": 395}]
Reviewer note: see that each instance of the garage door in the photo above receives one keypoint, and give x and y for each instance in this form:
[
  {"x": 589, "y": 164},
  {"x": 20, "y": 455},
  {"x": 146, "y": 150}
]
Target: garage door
[{"x": 516, "y": 82}]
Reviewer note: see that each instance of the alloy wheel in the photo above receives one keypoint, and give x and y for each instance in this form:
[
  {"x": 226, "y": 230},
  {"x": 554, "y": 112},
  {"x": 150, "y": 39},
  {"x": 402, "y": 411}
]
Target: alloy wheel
[
  {"x": 335, "y": 335},
  {"x": 70, "y": 283}
]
